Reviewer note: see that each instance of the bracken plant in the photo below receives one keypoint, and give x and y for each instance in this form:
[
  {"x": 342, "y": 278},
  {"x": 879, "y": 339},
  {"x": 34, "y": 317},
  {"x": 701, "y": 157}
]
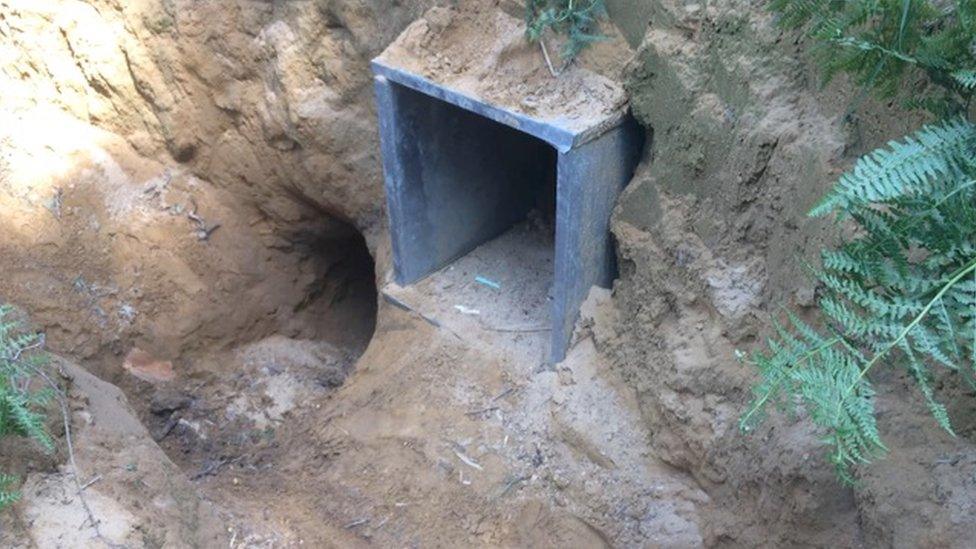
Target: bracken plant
[
  {"x": 900, "y": 290},
  {"x": 577, "y": 20},
  {"x": 21, "y": 405}
]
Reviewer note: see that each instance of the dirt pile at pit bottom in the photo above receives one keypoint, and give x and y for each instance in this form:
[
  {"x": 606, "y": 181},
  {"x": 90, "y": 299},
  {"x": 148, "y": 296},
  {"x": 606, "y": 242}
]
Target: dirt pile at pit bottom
[{"x": 434, "y": 440}]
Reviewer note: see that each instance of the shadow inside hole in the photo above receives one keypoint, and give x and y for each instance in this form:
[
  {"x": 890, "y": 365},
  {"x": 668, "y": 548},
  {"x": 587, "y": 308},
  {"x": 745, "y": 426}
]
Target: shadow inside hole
[{"x": 339, "y": 305}]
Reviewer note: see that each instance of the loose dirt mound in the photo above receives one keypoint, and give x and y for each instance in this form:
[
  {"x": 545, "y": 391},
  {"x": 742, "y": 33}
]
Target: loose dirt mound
[
  {"x": 434, "y": 441},
  {"x": 481, "y": 51}
]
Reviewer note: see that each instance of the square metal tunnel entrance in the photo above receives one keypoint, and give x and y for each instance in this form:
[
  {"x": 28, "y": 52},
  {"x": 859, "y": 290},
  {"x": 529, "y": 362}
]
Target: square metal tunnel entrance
[{"x": 459, "y": 172}]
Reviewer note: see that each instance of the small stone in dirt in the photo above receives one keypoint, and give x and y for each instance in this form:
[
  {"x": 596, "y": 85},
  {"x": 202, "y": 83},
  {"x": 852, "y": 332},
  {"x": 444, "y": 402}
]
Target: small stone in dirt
[
  {"x": 537, "y": 459},
  {"x": 165, "y": 401},
  {"x": 330, "y": 378},
  {"x": 166, "y": 429},
  {"x": 566, "y": 376},
  {"x": 147, "y": 368},
  {"x": 559, "y": 480}
]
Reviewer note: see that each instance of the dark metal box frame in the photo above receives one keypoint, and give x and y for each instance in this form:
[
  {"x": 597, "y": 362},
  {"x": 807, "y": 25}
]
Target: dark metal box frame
[{"x": 453, "y": 181}]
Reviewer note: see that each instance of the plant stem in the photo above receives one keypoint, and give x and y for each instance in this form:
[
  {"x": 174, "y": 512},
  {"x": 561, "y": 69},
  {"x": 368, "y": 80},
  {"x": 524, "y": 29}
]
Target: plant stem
[
  {"x": 968, "y": 268},
  {"x": 806, "y": 356},
  {"x": 66, "y": 418}
]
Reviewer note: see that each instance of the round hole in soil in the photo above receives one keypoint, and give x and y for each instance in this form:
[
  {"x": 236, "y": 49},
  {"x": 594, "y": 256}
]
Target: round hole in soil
[
  {"x": 340, "y": 306},
  {"x": 242, "y": 405}
]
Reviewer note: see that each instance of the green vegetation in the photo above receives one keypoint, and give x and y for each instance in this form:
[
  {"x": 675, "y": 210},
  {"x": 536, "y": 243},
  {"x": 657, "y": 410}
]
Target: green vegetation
[
  {"x": 900, "y": 292},
  {"x": 886, "y": 45},
  {"x": 20, "y": 404},
  {"x": 576, "y": 19}
]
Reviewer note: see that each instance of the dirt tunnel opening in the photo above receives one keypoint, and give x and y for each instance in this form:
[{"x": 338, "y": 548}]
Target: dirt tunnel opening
[
  {"x": 340, "y": 304},
  {"x": 236, "y": 405}
]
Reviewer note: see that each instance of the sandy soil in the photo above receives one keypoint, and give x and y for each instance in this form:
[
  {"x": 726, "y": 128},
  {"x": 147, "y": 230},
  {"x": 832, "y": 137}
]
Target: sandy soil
[
  {"x": 134, "y": 493},
  {"x": 284, "y": 420},
  {"x": 433, "y": 442},
  {"x": 482, "y": 52},
  {"x": 515, "y": 316}
]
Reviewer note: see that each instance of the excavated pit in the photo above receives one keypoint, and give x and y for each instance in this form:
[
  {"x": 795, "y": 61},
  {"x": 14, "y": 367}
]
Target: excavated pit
[
  {"x": 629, "y": 442},
  {"x": 229, "y": 405}
]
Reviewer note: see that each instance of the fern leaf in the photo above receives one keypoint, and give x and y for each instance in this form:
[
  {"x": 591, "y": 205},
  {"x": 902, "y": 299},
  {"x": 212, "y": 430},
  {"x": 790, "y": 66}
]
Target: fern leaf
[
  {"x": 901, "y": 291},
  {"x": 904, "y": 168},
  {"x": 921, "y": 376},
  {"x": 21, "y": 407},
  {"x": 965, "y": 78},
  {"x": 7, "y": 496}
]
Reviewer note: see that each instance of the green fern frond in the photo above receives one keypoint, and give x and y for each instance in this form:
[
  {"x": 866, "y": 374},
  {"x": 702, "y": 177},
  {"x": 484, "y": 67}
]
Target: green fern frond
[
  {"x": 576, "y": 19},
  {"x": 882, "y": 44},
  {"x": 902, "y": 291},
  {"x": 21, "y": 406},
  {"x": 965, "y": 78},
  {"x": 922, "y": 377},
  {"x": 7, "y": 496},
  {"x": 904, "y": 168}
]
